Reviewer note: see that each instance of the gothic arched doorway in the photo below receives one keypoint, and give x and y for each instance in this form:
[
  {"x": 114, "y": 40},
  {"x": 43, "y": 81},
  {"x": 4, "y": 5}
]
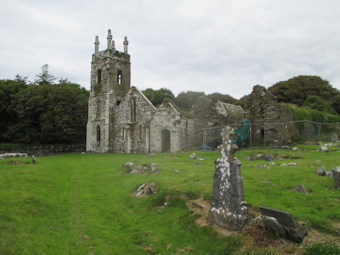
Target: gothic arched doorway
[{"x": 165, "y": 140}]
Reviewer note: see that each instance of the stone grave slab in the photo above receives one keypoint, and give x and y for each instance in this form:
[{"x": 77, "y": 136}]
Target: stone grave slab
[{"x": 284, "y": 218}]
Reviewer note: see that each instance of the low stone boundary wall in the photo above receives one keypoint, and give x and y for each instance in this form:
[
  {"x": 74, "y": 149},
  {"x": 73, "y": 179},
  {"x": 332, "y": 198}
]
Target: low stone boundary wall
[{"x": 44, "y": 150}]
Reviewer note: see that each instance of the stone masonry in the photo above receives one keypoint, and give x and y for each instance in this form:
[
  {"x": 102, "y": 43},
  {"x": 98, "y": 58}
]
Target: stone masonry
[
  {"x": 228, "y": 208},
  {"x": 264, "y": 112},
  {"x": 122, "y": 119}
]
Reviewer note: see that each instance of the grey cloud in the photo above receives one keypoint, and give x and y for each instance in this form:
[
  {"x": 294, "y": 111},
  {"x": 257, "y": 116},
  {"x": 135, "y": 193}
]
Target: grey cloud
[{"x": 211, "y": 46}]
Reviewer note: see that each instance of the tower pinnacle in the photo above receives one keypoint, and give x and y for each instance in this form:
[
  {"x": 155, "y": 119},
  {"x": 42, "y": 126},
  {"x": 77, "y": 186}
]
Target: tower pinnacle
[
  {"x": 109, "y": 40},
  {"x": 96, "y": 45},
  {"x": 126, "y": 43}
]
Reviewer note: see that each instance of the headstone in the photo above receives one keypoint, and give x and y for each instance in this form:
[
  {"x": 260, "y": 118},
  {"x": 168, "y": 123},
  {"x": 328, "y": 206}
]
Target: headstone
[
  {"x": 33, "y": 159},
  {"x": 268, "y": 157},
  {"x": 321, "y": 171},
  {"x": 334, "y": 138},
  {"x": 291, "y": 164},
  {"x": 228, "y": 208},
  {"x": 284, "y": 218},
  {"x": 293, "y": 230},
  {"x": 129, "y": 164},
  {"x": 193, "y": 156},
  {"x": 139, "y": 170},
  {"x": 249, "y": 157},
  {"x": 301, "y": 189},
  {"x": 154, "y": 168},
  {"x": 261, "y": 166},
  {"x": 2, "y": 156},
  {"x": 336, "y": 177},
  {"x": 324, "y": 148},
  {"x": 329, "y": 173},
  {"x": 146, "y": 189},
  {"x": 140, "y": 190}
]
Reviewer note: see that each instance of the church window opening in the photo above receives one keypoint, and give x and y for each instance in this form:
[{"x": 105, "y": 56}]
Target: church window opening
[
  {"x": 123, "y": 134},
  {"x": 133, "y": 110},
  {"x": 166, "y": 145},
  {"x": 119, "y": 77},
  {"x": 99, "y": 76},
  {"x": 118, "y": 102},
  {"x": 98, "y": 133}
]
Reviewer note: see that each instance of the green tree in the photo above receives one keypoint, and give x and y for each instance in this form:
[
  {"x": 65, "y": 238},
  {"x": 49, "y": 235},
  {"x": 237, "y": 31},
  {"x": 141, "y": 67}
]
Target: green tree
[
  {"x": 315, "y": 102},
  {"x": 185, "y": 100},
  {"x": 43, "y": 113},
  {"x": 297, "y": 89},
  {"x": 157, "y": 96},
  {"x": 8, "y": 116},
  {"x": 44, "y": 77},
  {"x": 223, "y": 98}
]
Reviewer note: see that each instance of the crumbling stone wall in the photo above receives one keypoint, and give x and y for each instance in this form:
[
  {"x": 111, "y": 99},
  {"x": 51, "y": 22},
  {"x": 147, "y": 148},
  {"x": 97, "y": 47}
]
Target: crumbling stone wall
[
  {"x": 131, "y": 123},
  {"x": 208, "y": 114},
  {"x": 180, "y": 128},
  {"x": 262, "y": 107}
]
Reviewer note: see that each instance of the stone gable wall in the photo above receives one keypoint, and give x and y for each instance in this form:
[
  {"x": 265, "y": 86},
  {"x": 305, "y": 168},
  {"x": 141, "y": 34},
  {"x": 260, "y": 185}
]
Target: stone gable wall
[
  {"x": 262, "y": 107},
  {"x": 132, "y": 135}
]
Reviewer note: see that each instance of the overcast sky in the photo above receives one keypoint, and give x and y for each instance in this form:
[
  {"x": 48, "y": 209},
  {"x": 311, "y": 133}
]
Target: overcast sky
[{"x": 221, "y": 46}]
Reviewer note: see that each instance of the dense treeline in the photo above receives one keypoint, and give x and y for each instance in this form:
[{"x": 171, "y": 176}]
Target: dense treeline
[
  {"x": 48, "y": 113},
  {"x": 297, "y": 90},
  {"x": 185, "y": 100},
  {"x": 42, "y": 112},
  {"x": 304, "y": 91}
]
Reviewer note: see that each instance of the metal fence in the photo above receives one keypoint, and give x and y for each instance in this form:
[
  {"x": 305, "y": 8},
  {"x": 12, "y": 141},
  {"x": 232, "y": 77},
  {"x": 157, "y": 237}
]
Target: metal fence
[{"x": 271, "y": 135}]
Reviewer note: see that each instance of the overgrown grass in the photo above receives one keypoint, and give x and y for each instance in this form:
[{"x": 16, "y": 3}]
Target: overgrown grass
[{"x": 82, "y": 204}]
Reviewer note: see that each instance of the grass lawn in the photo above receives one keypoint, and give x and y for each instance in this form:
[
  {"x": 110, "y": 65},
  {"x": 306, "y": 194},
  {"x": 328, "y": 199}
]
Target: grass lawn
[{"x": 82, "y": 204}]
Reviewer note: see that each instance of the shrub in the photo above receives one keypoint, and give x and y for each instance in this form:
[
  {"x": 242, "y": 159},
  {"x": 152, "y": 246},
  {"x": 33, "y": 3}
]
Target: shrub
[{"x": 317, "y": 103}]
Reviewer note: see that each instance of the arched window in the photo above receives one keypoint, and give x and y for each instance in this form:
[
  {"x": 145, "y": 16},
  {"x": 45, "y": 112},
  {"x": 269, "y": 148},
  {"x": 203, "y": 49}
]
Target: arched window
[
  {"x": 98, "y": 133},
  {"x": 119, "y": 77},
  {"x": 133, "y": 110}
]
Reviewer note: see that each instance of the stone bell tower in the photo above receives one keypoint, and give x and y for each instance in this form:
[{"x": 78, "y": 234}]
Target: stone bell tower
[{"x": 110, "y": 82}]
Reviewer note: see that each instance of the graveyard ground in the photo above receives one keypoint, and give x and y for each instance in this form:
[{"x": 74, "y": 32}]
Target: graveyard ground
[{"x": 85, "y": 204}]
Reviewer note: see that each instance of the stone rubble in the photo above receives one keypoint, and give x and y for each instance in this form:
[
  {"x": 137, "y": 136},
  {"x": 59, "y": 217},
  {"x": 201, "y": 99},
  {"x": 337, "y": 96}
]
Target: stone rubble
[
  {"x": 282, "y": 224},
  {"x": 146, "y": 189},
  {"x": 301, "y": 189}
]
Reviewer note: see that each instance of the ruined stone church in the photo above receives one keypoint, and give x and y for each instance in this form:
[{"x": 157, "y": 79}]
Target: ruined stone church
[{"x": 120, "y": 117}]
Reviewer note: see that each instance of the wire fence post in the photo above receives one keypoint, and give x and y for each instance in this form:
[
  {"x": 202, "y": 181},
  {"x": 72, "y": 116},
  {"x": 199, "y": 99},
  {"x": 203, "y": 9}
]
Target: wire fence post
[
  {"x": 319, "y": 131},
  {"x": 250, "y": 133}
]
